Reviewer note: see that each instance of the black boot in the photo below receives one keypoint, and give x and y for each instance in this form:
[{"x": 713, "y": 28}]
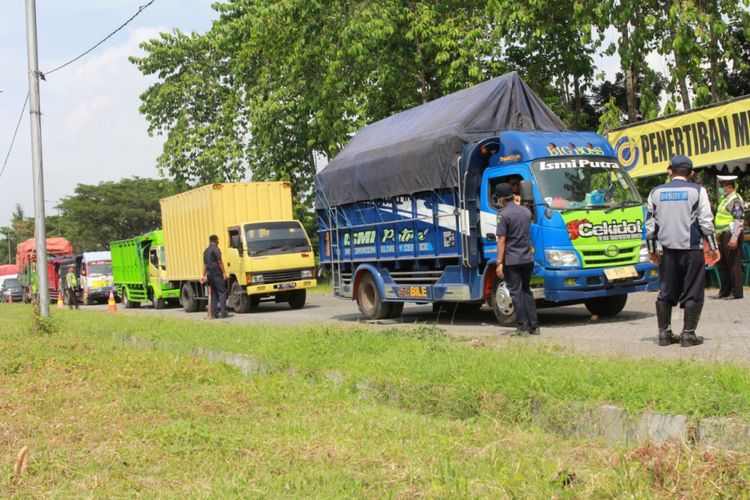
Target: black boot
[
  {"x": 692, "y": 315},
  {"x": 664, "y": 319}
]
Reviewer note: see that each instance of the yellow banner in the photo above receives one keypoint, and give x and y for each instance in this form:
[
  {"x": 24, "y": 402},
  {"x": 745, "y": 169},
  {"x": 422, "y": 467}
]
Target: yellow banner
[{"x": 710, "y": 136}]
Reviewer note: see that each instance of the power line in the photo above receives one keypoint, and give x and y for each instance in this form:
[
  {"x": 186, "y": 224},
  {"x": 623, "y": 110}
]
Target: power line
[
  {"x": 15, "y": 133},
  {"x": 42, "y": 75},
  {"x": 140, "y": 9}
]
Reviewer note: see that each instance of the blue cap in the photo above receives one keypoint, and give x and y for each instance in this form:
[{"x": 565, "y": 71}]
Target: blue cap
[{"x": 681, "y": 161}]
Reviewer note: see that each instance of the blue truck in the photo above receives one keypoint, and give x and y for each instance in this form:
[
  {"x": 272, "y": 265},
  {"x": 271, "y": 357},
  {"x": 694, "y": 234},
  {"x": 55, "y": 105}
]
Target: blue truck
[{"x": 406, "y": 211}]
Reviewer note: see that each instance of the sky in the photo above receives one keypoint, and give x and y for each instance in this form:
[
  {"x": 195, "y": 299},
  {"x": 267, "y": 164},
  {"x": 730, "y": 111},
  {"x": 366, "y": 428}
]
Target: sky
[{"x": 91, "y": 128}]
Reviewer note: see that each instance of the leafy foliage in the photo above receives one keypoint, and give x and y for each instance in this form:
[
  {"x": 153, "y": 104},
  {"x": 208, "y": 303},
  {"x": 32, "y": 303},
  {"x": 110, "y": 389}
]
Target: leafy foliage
[
  {"x": 277, "y": 87},
  {"x": 96, "y": 215}
]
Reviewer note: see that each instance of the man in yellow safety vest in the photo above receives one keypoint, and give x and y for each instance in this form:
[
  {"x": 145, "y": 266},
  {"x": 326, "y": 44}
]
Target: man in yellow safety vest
[
  {"x": 71, "y": 283},
  {"x": 728, "y": 223}
]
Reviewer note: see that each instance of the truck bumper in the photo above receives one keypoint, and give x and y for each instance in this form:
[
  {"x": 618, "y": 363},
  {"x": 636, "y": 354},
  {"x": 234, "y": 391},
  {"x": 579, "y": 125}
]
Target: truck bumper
[
  {"x": 100, "y": 293},
  {"x": 287, "y": 286},
  {"x": 582, "y": 284}
]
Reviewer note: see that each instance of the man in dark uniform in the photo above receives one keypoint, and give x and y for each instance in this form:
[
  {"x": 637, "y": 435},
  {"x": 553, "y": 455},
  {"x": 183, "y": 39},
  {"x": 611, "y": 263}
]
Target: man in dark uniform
[
  {"x": 515, "y": 262},
  {"x": 679, "y": 217},
  {"x": 730, "y": 218},
  {"x": 213, "y": 272}
]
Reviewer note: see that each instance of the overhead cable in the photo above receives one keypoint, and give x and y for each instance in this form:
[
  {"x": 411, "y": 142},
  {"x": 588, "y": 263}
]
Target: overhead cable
[
  {"x": 140, "y": 9},
  {"x": 15, "y": 133}
]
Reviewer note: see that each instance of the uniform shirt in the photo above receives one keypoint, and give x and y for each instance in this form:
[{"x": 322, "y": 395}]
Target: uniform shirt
[
  {"x": 730, "y": 207},
  {"x": 211, "y": 258},
  {"x": 679, "y": 215},
  {"x": 514, "y": 222}
]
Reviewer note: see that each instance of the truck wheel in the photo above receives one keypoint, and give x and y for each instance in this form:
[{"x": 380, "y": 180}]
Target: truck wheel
[
  {"x": 238, "y": 299},
  {"x": 395, "y": 309},
  {"x": 502, "y": 304},
  {"x": 370, "y": 302},
  {"x": 297, "y": 299},
  {"x": 187, "y": 299},
  {"x": 160, "y": 303},
  {"x": 606, "y": 307},
  {"x": 127, "y": 303}
]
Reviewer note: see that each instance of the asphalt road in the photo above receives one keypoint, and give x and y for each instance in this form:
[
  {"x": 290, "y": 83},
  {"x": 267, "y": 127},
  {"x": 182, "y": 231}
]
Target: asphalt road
[{"x": 724, "y": 324}]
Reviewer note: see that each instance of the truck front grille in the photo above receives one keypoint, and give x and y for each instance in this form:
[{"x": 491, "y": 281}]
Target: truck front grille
[
  {"x": 279, "y": 276},
  {"x": 599, "y": 258}
]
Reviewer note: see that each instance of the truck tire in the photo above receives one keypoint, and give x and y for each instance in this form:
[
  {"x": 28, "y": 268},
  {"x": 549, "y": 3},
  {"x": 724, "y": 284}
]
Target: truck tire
[
  {"x": 297, "y": 299},
  {"x": 607, "y": 307},
  {"x": 370, "y": 302},
  {"x": 238, "y": 298},
  {"x": 126, "y": 302},
  {"x": 160, "y": 303},
  {"x": 502, "y": 304},
  {"x": 187, "y": 299}
]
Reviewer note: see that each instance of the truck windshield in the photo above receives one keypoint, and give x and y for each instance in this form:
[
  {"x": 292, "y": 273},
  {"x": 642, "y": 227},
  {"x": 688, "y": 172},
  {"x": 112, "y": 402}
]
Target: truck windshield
[
  {"x": 266, "y": 238},
  {"x": 99, "y": 268},
  {"x": 584, "y": 182}
]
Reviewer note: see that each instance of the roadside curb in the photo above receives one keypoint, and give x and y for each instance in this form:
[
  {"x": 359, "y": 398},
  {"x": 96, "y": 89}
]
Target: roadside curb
[{"x": 615, "y": 426}]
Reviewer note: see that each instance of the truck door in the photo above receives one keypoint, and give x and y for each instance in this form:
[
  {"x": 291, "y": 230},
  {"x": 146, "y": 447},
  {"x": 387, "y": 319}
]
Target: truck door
[
  {"x": 490, "y": 207},
  {"x": 233, "y": 259}
]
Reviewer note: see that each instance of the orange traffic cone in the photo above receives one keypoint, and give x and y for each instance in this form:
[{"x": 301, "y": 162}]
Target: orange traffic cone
[
  {"x": 60, "y": 304},
  {"x": 111, "y": 306},
  {"x": 10, "y": 299}
]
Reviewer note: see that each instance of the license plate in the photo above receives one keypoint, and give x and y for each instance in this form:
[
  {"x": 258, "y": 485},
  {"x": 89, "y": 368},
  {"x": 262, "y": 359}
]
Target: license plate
[
  {"x": 620, "y": 273},
  {"x": 284, "y": 286},
  {"x": 100, "y": 284}
]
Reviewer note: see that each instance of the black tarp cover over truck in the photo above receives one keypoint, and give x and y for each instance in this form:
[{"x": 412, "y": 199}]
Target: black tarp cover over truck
[{"x": 416, "y": 150}]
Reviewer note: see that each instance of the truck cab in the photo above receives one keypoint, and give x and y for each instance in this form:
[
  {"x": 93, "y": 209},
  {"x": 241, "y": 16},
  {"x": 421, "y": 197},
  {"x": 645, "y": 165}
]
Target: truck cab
[
  {"x": 95, "y": 277},
  {"x": 270, "y": 260},
  {"x": 587, "y": 220}
]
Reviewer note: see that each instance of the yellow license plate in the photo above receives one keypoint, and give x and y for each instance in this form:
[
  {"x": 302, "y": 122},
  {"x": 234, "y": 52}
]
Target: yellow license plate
[
  {"x": 620, "y": 273},
  {"x": 100, "y": 284}
]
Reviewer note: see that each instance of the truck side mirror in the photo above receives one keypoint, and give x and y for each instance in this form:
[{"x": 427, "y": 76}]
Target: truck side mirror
[
  {"x": 526, "y": 189},
  {"x": 240, "y": 249}
]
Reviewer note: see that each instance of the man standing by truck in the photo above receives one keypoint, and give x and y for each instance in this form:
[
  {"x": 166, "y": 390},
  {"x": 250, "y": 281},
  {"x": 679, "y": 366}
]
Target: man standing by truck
[
  {"x": 71, "y": 286},
  {"x": 730, "y": 217},
  {"x": 214, "y": 273},
  {"x": 679, "y": 217},
  {"x": 515, "y": 262}
]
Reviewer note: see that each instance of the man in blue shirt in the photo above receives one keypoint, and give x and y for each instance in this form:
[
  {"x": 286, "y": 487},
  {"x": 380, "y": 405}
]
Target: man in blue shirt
[
  {"x": 515, "y": 261},
  {"x": 214, "y": 273}
]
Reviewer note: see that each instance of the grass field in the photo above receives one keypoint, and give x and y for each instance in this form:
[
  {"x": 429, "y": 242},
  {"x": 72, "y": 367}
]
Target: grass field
[{"x": 106, "y": 419}]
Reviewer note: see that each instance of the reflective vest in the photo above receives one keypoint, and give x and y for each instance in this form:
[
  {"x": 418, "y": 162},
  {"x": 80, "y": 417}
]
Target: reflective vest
[
  {"x": 71, "y": 280},
  {"x": 724, "y": 217}
]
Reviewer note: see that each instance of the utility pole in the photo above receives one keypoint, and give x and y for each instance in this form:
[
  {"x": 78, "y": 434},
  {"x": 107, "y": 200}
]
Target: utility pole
[{"x": 40, "y": 231}]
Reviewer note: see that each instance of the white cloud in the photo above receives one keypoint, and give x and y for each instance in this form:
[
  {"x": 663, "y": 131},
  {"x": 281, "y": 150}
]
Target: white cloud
[{"x": 91, "y": 128}]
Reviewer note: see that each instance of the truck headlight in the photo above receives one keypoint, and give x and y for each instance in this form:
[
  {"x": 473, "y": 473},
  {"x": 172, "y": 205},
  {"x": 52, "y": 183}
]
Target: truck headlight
[
  {"x": 307, "y": 273},
  {"x": 562, "y": 258},
  {"x": 256, "y": 278},
  {"x": 643, "y": 253}
]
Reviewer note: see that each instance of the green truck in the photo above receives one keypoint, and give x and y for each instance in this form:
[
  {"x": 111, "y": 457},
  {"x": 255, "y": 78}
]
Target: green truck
[{"x": 139, "y": 271}]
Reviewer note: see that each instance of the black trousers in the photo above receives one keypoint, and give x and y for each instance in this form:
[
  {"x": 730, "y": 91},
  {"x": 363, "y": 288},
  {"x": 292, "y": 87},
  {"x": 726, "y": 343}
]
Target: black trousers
[
  {"x": 730, "y": 267},
  {"x": 518, "y": 281},
  {"x": 682, "y": 275},
  {"x": 218, "y": 295},
  {"x": 72, "y": 298}
]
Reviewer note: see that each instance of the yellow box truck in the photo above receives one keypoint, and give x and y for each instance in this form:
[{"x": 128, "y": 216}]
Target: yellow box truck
[{"x": 266, "y": 253}]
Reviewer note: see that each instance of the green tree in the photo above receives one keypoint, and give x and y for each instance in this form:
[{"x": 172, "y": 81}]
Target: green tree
[
  {"x": 98, "y": 214},
  {"x": 551, "y": 44}
]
